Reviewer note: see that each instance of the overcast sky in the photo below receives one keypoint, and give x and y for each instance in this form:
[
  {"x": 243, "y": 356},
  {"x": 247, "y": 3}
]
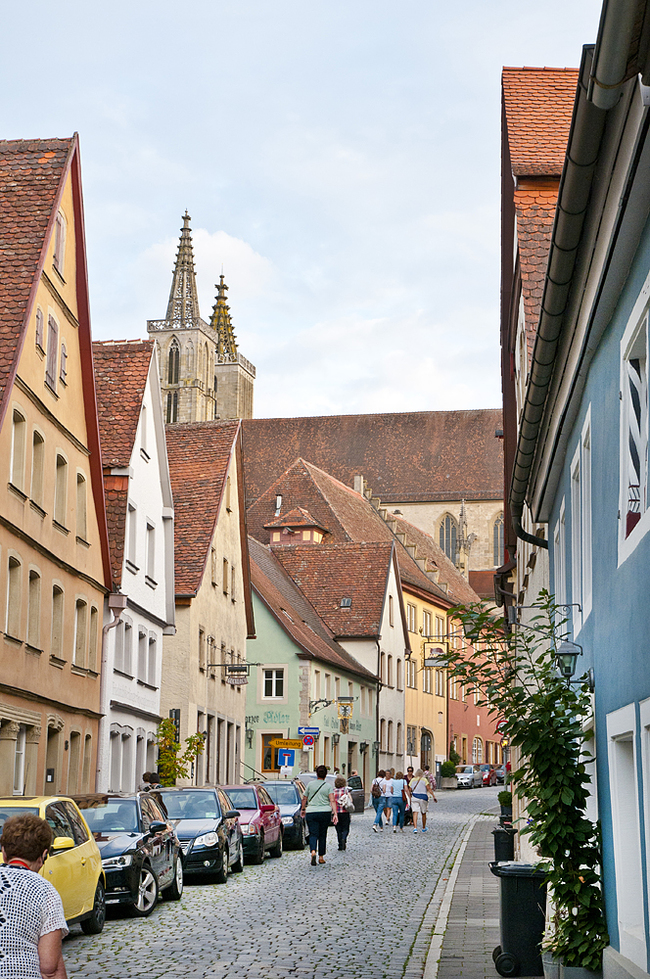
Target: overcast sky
[{"x": 339, "y": 159}]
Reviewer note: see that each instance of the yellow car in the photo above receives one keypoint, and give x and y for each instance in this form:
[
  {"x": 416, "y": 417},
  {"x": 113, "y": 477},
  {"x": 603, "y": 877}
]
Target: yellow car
[{"x": 74, "y": 865}]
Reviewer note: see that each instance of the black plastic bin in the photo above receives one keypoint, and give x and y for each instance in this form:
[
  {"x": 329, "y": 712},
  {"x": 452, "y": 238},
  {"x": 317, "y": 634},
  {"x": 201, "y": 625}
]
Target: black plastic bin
[
  {"x": 523, "y": 912},
  {"x": 504, "y": 843}
]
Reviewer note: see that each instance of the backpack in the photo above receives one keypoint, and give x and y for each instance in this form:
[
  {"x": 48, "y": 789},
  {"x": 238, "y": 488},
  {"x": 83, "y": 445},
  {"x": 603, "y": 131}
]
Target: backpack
[{"x": 375, "y": 791}]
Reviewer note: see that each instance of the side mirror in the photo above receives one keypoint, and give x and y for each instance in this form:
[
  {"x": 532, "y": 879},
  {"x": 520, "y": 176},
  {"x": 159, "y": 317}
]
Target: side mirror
[
  {"x": 232, "y": 814},
  {"x": 268, "y": 808},
  {"x": 62, "y": 843},
  {"x": 156, "y": 826}
]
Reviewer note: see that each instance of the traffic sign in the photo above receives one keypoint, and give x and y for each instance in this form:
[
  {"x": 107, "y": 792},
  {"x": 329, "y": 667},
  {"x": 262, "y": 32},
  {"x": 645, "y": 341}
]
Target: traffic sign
[
  {"x": 286, "y": 758},
  {"x": 308, "y": 741},
  {"x": 314, "y": 731},
  {"x": 293, "y": 743}
]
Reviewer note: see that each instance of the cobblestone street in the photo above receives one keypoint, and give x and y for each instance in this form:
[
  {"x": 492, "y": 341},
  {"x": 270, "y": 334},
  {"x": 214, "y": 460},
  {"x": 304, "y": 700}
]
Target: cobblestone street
[{"x": 367, "y": 913}]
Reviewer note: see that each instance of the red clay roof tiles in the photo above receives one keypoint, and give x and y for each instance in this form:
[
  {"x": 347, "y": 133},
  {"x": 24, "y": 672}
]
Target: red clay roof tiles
[
  {"x": 404, "y": 457},
  {"x": 535, "y": 207},
  {"x": 538, "y": 106},
  {"x": 121, "y": 371},
  {"x": 31, "y": 173}
]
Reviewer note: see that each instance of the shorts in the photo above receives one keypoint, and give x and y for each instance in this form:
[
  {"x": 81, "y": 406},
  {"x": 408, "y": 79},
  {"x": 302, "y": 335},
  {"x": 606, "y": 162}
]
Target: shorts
[{"x": 419, "y": 805}]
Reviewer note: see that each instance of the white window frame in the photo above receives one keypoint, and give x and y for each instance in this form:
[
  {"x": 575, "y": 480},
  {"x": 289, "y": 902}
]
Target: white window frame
[
  {"x": 559, "y": 556},
  {"x": 587, "y": 567},
  {"x": 638, "y": 321},
  {"x": 274, "y": 671},
  {"x": 576, "y": 540}
]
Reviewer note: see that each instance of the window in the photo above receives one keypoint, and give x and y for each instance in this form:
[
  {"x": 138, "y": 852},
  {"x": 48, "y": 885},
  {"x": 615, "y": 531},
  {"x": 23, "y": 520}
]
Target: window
[
  {"x": 453, "y": 688},
  {"x": 440, "y": 627},
  {"x": 56, "y": 649},
  {"x": 202, "y": 650},
  {"x": 270, "y": 762},
  {"x": 398, "y": 744},
  {"x": 440, "y": 683},
  {"x": 58, "y": 258},
  {"x": 411, "y": 617},
  {"x": 19, "y": 761},
  {"x": 152, "y": 664},
  {"x": 143, "y": 433},
  {"x": 151, "y": 551},
  {"x": 398, "y": 675},
  {"x": 82, "y": 529},
  {"x": 389, "y": 679},
  {"x": 172, "y": 407},
  {"x": 132, "y": 521},
  {"x": 328, "y": 686},
  {"x": 213, "y": 565},
  {"x": 228, "y": 498},
  {"x": 634, "y": 403},
  {"x": 426, "y": 679},
  {"x": 38, "y": 454},
  {"x": 34, "y": 610},
  {"x": 81, "y": 610},
  {"x": 92, "y": 639},
  {"x": 233, "y": 578},
  {"x": 316, "y": 684},
  {"x": 498, "y": 541},
  {"x": 389, "y": 739},
  {"x": 61, "y": 491},
  {"x": 128, "y": 647},
  {"x": 391, "y": 613},
  {"x": 477, "y": 751},
  {"x": 118, "y": 659},
  {"x": 382, "y": 735},
  {"x": 142, "y": 654},
  {"x": 189, "y": 358},
  {"x": 224, "y": 576},
  {"x": 273, "y": 684},
  {"x": 14, "y": 583},
  {"x": 52, "y": 352},
  {"x": 40, "y": 329},
  {"x": 426, "y": 623},
  {"x": 448, "y": 537},
  {"x": 581, "y": 526},
  {"x": 63, "y": 363},
  {"x": 337, "y": 688},
  {"x": 411, "y": 674},
  {"x": 559, "y": 557},
  {"x": 18, "y": 431},
  {"x": 173, "y": 362}
]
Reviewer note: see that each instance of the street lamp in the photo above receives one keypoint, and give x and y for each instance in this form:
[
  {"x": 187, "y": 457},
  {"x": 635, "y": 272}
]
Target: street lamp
[{"x": 375, "y": 746}]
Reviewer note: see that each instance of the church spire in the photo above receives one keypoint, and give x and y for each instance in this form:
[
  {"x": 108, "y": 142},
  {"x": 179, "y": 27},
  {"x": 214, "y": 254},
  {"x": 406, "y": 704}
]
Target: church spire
[
  {"x": 183, "y": 305},
  {"x": 222, "y": 325}
]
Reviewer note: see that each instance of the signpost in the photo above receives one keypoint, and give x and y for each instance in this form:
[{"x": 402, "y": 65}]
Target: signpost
[
  {"x": 308, "y": 741},
  {"x": 292, "y": 743},
  {"x": 314, "y": 731},
  {"x": 286, "y": 758}
]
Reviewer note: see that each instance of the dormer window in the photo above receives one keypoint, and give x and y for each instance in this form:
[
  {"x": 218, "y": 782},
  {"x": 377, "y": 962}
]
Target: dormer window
[
  {"x": 346, "y": 603},
  {"x": 59, "y": 243}
]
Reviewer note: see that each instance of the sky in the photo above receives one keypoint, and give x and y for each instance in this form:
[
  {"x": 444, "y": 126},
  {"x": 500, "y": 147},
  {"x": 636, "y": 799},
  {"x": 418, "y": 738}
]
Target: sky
[{"x": 340, "y": 160}]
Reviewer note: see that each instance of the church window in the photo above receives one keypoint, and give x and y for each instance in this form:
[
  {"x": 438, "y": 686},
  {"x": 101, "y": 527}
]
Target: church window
[
  {"x": 449, "y": 536},
  {"x": 497, "y": 540},
  {"x": 206, "y": 366},
  {"x": 173, "y": 362},
  {"x": 172, "y": 407},
  {"x": 189, "y": 357}
]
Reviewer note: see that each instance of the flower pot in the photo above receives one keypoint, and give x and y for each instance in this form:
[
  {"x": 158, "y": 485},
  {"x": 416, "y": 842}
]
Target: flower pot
[
  {"x": 448, "y": 783},
  {"x": 578, "y": 972},
  {"x": 551, "y": 966}
]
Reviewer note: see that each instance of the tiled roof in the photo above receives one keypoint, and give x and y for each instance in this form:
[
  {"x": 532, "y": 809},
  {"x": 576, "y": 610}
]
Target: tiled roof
[
  {"x": 405, "y": 457},
  {"x": 538, "y": 106},
  {"x": 483, "y": 584},
  {"x": 329, "y": 572},
  {"x": 294, "y": 613},
  {"x": 295, "y": 518},
  {"x": 348, "y": 516},
  {"x": 535, "y": 206},
  {"x": 121, "y": 370},
  {"x": 199, "y": 457},
  {"x": 31, "y": 174},
  {"x": 116, "y": 494}
]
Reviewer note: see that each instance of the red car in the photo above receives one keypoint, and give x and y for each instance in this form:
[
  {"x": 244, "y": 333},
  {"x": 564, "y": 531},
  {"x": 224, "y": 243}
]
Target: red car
[
  {"x": 260, "y": 821},
  {"x": 489, "y": 774}
]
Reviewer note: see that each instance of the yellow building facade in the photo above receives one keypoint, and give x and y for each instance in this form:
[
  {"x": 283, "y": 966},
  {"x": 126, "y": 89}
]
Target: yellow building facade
[{"x": 425, "y": 687}]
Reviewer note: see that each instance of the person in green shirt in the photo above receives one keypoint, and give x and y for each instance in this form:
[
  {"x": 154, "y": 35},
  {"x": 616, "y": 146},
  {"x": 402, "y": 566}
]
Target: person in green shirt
[{"x": 319, "y": 805}]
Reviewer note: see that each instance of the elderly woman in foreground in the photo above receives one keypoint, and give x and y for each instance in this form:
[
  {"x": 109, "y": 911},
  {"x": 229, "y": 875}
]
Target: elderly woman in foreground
[{"x": 34, "y": 923}]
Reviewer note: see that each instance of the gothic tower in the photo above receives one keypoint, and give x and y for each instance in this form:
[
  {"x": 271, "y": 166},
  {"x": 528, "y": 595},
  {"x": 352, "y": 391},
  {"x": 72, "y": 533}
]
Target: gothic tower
[{"x": 202, "y": 374}]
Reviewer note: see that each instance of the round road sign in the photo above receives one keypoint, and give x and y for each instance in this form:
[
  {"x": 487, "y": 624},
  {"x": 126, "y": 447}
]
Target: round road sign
[{"x": 308, "y": 741}]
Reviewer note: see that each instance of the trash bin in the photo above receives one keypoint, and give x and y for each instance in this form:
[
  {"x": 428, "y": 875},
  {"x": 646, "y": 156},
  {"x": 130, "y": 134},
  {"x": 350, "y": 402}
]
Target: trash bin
[
  {"x": 504, "y": 843},
  {"x": 522, "y": 918}
]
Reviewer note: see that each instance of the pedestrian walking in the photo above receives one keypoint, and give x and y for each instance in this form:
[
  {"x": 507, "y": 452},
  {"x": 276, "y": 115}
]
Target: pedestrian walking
[
  {"x": 318, "y": 804},
  {"x": 430, "y": 777},
  {"x": 344, "y": 808},
  {"x": 398, "y": 799},
  {"x": 31, "y": 911},
  {"x": 379, "y": 799},
  {"x": 408, "y": 816},
  {"x": 420, "y": 789}
]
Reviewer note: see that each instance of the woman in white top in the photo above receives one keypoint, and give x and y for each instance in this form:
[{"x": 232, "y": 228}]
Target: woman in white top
[
  {"x": 420, "y": 789},
  {"x": 34, "y": 922}
]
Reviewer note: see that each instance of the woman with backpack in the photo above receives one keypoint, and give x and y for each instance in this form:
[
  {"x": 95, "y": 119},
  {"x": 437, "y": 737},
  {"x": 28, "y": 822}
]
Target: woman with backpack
[{"x": 378, "y": 796}]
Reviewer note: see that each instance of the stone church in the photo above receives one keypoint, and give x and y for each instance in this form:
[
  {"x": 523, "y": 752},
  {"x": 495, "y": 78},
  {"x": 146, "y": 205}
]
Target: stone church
[{"x": 203, "y": 375}]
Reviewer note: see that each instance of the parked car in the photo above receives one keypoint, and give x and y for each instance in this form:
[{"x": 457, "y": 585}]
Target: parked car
[
  {"x": 489, "y": 774},
  {"x": 207, "y": 826},
  {"x": 260, "y": 820},
  {"x": 288, "y": 796},
  {"x": 141, "y": 855},
  {"x": 74, "y": 864},
  {"x": 501, "y": 775},
  {"x": 468, "y": 776}
]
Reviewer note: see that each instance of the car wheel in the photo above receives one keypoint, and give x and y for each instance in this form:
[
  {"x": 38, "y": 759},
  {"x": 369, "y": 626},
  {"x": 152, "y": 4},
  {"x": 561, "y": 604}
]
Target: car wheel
[
  {"x": 94, "y": 924},
  {"x": 276, "y": 850},
  {"x": 175, "y": 890},
  {"x": 221, "y": 875},
  {"x": 238, "y": 865},
  {"x": 261, "y": 852},
  {"x": 301, "y": 843},
  {"x": 147, "y": 894}
]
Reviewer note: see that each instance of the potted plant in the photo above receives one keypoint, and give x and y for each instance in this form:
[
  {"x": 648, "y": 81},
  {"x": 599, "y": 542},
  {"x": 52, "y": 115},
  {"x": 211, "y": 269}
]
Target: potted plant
[
  {"x": 516, "y": 677},
  {"x": 505, "y": 801},
  {"x": 448, "y": 775}
]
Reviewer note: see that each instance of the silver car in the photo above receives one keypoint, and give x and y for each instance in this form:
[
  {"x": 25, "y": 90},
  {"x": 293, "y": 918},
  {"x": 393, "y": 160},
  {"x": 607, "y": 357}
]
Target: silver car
[{"x": 468, "y": 776}]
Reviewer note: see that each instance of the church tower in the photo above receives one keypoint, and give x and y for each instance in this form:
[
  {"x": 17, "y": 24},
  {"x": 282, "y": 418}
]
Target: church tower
[{"x": 202, "y": 374}]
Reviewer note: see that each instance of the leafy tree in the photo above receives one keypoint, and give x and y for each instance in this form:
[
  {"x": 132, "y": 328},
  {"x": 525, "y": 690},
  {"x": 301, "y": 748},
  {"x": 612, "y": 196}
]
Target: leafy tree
[
  {"x": 518, "y": 680},
  {"x": 174, "y": 763}
]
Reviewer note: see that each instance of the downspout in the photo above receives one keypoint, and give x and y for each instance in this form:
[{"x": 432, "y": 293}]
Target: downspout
[
  {"x": 116, "y": 604},
  {"x": 585, "y": 138},
  {"x": 379, "y": 686}
]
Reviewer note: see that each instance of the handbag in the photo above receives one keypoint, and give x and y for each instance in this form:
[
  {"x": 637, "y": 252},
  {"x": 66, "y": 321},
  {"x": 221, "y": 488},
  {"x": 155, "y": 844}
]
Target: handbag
[{"x": 346, "y": 802}]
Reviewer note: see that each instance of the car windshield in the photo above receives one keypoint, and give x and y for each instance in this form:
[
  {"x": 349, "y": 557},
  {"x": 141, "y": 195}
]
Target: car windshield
[
  {"x": 243, "y": 798},
  {"x": 112, "y": 816},
  {"x": 9, "y": 811},
  {"x": 282, "y": 793},
  {"x": 190, "y": 805},
  {"x": 464, "y": 769}
]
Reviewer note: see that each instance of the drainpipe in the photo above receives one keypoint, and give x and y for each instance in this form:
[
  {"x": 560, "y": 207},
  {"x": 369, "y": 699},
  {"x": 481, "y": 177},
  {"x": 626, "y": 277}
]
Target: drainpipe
[
  {"x": 116, "y": 604},
  {"x": 611, "y": 64},
  {"x": 379, "y": 686},
  {"x": 587, "y": 128}
]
